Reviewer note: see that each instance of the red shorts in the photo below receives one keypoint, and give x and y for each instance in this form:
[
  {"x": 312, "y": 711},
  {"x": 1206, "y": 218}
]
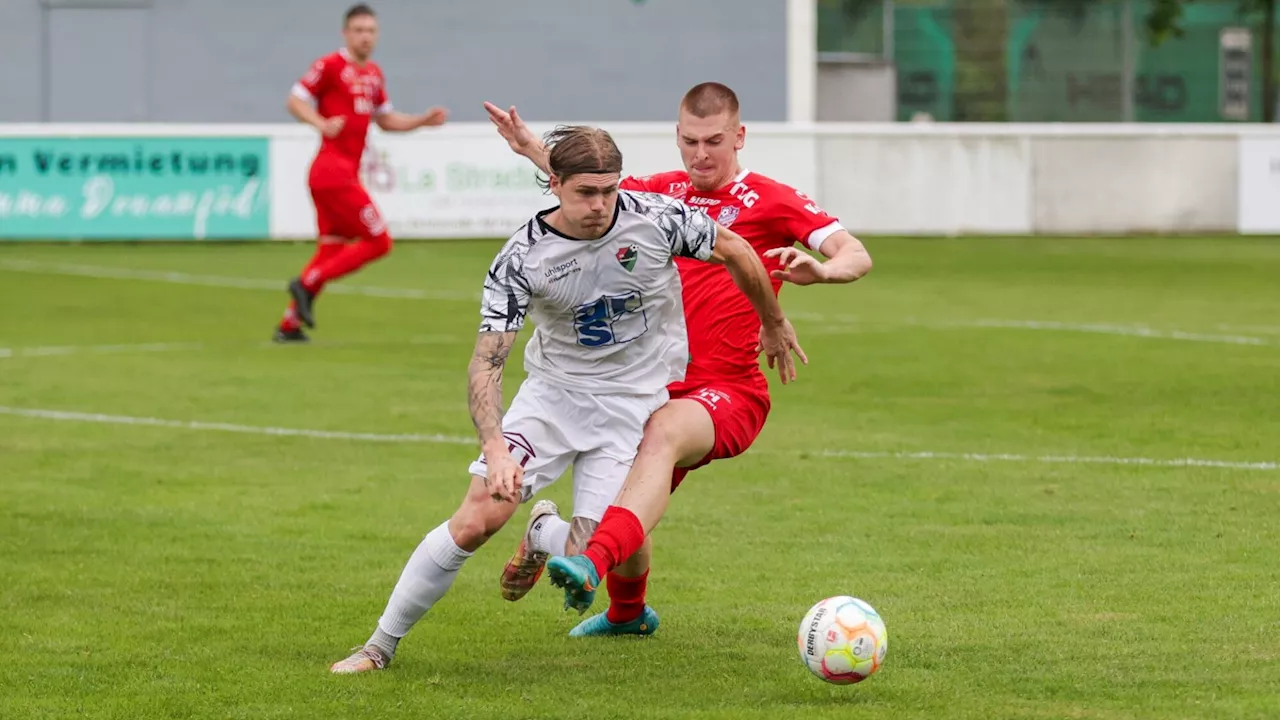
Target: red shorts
[
  {"x": 738, "y": 411},
  {"x": 347, "y": 211}
]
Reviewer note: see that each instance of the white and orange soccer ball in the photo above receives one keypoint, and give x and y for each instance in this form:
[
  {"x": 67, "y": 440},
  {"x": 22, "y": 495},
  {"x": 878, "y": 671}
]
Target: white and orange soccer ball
[{"x": 842, "y": 640}]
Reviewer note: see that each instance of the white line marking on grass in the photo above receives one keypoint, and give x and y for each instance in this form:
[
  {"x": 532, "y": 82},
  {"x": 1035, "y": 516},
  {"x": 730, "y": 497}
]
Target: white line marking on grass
[
  {"x": 66, "y": 416},
  {"x": 62, "y": 350},
  {"x": 104, "y": 272},
  {"x": 1054, "y": 459},
  {"x": 1123, "y": 330},
  {"x": 848, "y": 324}
]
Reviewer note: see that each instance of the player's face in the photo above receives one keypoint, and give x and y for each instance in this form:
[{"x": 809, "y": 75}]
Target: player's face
[
  {"x": 361, "y": 34},
  {"x": 587, "y": 202},
  {"x": 709, "y": 147}
]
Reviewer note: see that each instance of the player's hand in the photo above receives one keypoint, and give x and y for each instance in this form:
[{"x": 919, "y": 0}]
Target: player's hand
[
  {"x": 504, "y": 478},
  {"x": 798, "y": 267},
  {"x": 435, "y": 117},
  {"x": 778, "y": 341},
  {"x": 330, "y": 127},
  {"x": 512, "y": 129}
]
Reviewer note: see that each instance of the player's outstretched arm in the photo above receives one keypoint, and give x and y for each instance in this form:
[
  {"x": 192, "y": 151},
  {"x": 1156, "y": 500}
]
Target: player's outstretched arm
[
  {"x": 518, "y": 135},
  {"x": 847, "y": 261},
  {"x": 395, "y": 121},
  {"x": 777, "y": 336},
  {"x": 484, "y": 398}
]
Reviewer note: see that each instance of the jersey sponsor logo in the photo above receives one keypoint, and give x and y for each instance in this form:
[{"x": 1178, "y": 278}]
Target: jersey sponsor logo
[
  {"x": 627, "y": 257},
  {"x": 727, "y": 215},
  {"x": 556, "y": 273},
  {"x": 611, "y": 320},
  {"x": 678, "y": 189},
  {"x": 745, "y": 194},
  {"x": 348, "y": 75},
  {"x": 703, "y": 201}
]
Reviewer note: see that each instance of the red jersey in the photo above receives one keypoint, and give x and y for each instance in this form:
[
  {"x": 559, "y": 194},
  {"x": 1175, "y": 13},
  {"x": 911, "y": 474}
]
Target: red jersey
[
  {"x": 722, "y": 324},
  {"x": 342, "y": 88}
]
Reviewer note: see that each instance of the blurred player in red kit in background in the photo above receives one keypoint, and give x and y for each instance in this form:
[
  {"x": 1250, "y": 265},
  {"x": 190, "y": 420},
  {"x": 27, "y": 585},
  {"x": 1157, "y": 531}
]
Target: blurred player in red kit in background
[{"x": 339, "y": 96}]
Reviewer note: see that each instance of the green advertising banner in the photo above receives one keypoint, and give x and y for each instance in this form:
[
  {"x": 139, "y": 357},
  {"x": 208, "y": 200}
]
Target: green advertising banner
[{"x": 134, "y": 188}]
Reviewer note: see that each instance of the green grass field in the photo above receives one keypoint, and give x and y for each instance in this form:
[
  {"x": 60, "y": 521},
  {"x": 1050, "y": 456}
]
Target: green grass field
[{"x": 985, "y": 446}]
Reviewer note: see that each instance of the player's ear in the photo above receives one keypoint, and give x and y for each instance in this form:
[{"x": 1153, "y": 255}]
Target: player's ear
[
  {"x": 554, "y": 182},
  {"x": 741, "y": 139}
]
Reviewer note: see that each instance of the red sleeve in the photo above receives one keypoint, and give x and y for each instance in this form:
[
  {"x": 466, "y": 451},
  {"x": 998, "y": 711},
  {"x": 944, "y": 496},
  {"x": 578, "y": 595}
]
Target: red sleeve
[
  {"x": 317, "y": 79},
  {"x": 800, "y": 219},
  {"x": 381, "y": 100}
]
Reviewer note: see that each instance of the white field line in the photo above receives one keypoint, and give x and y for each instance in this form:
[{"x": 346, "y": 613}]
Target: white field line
[
  {"x": 1054, "y": 459},
  {"x": 63, "y": 350},
  {"x": 66, "y": 416},
  {"x": 1123, "y": 330},
  {"x": 846, "y": 324},
  {"x": 105, "y": 272},
  {"x": 125, "y": 348},
  {"x": 837, "y": 324}
]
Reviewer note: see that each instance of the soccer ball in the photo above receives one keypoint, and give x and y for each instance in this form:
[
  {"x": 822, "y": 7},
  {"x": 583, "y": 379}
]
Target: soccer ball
[{"x": 842, "y": 640}]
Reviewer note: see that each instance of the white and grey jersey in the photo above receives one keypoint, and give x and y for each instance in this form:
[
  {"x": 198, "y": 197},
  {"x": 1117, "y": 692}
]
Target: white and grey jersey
[{"x": 608, "y": 313}]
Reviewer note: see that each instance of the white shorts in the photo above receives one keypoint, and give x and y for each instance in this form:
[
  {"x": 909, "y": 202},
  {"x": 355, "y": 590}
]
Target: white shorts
[{"x": 549, "y": 428}]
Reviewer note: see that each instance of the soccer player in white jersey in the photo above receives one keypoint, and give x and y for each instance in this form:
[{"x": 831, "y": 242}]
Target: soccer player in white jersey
[{"x": 597, "y": 275}]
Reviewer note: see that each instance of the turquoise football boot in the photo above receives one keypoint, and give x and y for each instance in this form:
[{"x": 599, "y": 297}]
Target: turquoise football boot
[
  {"x": 598, "y": 625},
  {"x": 578, "y": 576}
]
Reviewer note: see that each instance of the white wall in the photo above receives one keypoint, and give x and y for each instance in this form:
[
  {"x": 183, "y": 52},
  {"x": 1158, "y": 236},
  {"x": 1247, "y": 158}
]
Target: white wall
[{"x": 911, "y": 179}]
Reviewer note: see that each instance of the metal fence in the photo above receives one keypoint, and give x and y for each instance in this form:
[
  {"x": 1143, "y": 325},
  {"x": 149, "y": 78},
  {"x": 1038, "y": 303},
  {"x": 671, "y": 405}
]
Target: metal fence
[{"x": 1052, "y": 61}]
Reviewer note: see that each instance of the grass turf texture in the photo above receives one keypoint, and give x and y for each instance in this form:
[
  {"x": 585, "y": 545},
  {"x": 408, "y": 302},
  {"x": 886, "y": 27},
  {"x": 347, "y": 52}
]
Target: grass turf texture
[{"x": 163, "y": 572}]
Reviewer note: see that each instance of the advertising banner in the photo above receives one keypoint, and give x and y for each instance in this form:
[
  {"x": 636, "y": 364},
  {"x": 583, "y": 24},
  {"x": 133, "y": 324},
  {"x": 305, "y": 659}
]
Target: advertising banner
[
  {"x": 134, "y": 188},
  {"x": 450, "y": 188}
]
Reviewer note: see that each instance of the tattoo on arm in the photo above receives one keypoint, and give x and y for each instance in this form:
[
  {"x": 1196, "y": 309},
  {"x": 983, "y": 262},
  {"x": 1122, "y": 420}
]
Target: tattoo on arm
[
  {"x": 484, "y": 396},
  {"x": 580, "y": 531}
]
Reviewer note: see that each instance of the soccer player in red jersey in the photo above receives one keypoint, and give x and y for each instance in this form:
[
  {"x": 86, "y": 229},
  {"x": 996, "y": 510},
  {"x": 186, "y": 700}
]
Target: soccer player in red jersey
[
  {"x": 721, "y": 406},
  {"x": 339, "y": 96}
]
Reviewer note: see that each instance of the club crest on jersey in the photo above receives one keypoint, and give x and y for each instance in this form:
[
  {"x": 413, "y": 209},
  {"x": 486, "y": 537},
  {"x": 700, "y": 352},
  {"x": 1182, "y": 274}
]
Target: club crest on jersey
[
  {"x": 627, "y": 257},
  {"x": 727, "y": 215}
]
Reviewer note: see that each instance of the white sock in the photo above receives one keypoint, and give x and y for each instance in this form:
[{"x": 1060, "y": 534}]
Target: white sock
[
  {"x": 425, "y": 579},
  {"x": 550, "y": 534}
]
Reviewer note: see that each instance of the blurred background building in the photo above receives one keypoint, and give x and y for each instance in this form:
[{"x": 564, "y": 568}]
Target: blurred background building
[
  {"x": 616, "y": 60},
  {"x": 1042, "y": 60}
]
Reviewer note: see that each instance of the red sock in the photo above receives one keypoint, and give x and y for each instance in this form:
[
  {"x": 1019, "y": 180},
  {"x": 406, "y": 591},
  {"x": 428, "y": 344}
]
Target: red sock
[
  {"x": 353, "y": 257},
  {"x": 618, "y": 537},
  {"x": 324, "y": 252},
  {"x": 626, "y": 597}
]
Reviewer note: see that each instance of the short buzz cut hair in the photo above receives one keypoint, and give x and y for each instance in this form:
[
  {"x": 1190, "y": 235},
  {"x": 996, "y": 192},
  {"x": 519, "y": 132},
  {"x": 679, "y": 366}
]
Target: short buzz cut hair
[
  {"x": 579, "y": 150},
  {"x": 710, "y": 98},
  {"x": 355, "y": 11}
]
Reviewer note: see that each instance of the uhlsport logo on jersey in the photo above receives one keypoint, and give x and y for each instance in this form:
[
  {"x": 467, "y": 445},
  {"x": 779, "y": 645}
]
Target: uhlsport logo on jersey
[
  {"x": 728, "y": 215},
  {"x": 627, "y": 257}
]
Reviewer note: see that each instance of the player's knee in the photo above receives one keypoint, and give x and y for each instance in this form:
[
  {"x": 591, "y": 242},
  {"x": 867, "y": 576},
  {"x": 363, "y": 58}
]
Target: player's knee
[
  {"x": 381, "y": 245},
  {"x": 478, "y": 520},
  {"x": 663, "y": 435},
  {"x": 467, "y": 527}
]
